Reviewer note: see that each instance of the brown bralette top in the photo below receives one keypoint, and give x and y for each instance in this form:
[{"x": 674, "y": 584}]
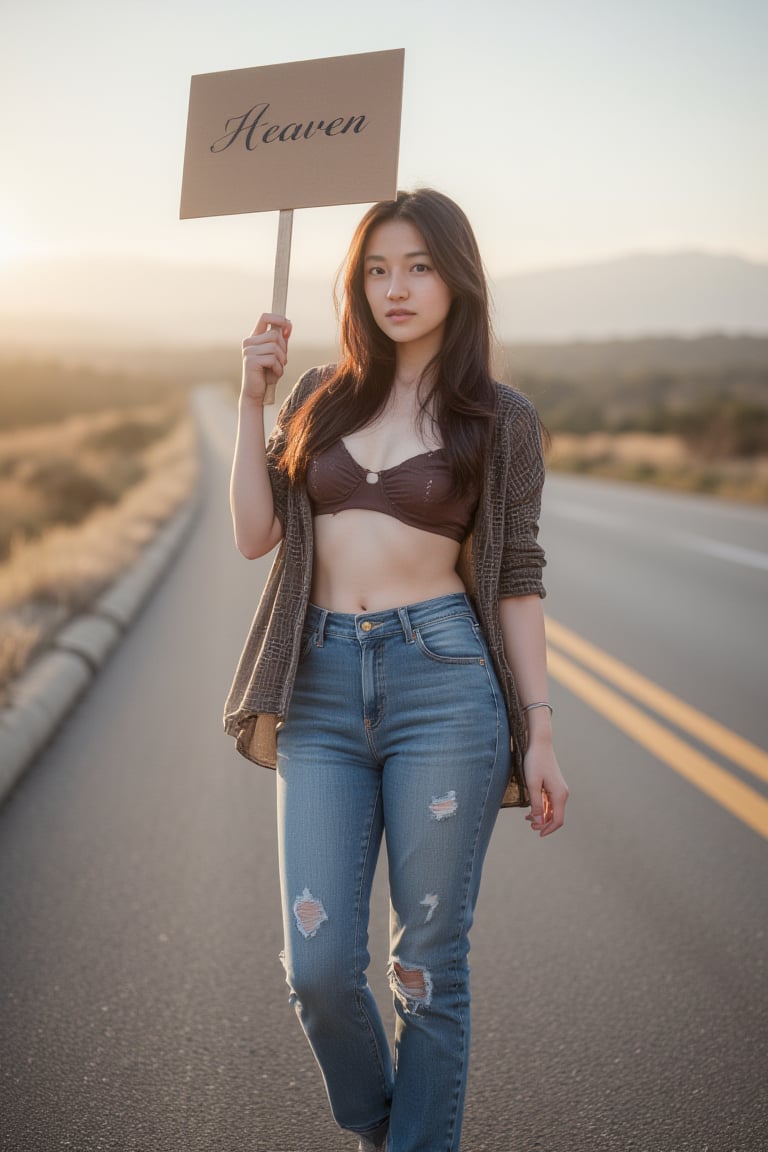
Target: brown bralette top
[{"x": 416, "y": 491}]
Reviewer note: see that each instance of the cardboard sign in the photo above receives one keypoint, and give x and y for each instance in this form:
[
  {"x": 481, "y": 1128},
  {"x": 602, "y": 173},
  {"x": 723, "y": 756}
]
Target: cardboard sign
[{"x": 293, "y": 135}]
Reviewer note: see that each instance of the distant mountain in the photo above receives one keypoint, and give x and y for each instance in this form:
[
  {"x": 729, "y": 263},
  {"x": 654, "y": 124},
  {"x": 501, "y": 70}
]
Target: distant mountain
[
  {"x": 682, "y": 293},
  {"x": 131, "y": 302}
]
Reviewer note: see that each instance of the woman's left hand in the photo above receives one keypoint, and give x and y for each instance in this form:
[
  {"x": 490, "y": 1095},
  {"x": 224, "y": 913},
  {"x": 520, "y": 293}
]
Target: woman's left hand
[{"x": 547, "y": 788}]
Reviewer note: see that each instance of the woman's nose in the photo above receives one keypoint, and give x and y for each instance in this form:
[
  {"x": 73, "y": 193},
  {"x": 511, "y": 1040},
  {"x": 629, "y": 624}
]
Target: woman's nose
[{"x": 397, "y": 288}]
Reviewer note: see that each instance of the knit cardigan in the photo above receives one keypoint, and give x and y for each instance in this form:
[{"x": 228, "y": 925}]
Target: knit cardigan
[{"x": 500, "y": 557}]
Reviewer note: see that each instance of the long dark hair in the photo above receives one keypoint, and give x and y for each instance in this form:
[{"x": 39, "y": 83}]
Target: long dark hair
[{"x": 461, "y": 397}]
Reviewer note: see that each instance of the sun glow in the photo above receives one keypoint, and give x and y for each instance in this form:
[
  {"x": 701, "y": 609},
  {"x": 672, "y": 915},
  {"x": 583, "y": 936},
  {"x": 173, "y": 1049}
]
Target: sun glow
[{"x": 14, "y": 250}]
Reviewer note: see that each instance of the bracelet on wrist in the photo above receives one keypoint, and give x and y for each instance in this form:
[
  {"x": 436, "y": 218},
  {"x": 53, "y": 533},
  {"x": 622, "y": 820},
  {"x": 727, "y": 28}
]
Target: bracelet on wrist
[{"x": 538, "y": 704}]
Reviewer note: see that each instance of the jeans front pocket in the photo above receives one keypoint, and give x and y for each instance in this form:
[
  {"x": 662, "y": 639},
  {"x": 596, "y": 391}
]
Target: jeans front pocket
[
  {"x": 308, "y": 642},
  {"x": 452, "y": 640}
]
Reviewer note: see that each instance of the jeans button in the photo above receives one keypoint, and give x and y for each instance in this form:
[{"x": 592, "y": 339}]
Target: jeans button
[{"x": 366, "y": 626}]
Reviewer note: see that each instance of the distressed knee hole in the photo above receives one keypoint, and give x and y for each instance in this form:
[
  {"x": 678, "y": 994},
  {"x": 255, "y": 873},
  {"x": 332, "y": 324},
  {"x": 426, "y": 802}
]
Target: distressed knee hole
[
  {"x": 413, "y": 980},
  {"x": 412, "y": 986},
  {"x": 309, "y": 913},
  {"x": 444, "y": 806}
]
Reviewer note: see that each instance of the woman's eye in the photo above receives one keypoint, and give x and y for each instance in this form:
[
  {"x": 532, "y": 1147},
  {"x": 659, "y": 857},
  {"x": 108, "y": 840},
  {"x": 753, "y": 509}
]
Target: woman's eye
[
  {"x": 375, "y": 271},
  {"x": 421, "y": 268}
]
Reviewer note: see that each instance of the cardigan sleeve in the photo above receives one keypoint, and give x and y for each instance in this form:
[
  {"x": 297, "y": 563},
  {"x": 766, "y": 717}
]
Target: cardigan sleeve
[{"x": 522, "y": 557}]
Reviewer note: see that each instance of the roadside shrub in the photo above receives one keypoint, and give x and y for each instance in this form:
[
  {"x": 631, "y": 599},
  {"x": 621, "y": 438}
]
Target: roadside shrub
[
  {"x": 69, "y": 491},
  {"x": 130, "y": 436}
]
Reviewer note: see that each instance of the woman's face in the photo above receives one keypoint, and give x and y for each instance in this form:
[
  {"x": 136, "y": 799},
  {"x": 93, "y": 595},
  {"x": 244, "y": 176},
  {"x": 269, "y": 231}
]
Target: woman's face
[{"x": 408, "y": 299}]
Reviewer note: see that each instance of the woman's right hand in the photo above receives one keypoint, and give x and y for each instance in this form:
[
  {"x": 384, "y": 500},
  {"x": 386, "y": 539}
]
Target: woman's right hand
[{"x": 265, "y": 354}]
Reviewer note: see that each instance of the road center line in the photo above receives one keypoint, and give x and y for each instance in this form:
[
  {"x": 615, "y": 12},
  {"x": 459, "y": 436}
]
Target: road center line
[
  {"x": 702, "y": 727},
  {"x": 730, "y": 793}
]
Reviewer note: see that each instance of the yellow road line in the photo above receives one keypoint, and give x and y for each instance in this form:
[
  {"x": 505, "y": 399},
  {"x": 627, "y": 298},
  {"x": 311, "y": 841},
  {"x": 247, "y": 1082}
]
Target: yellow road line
[
  {"x": 698, "y": 724},
  {"x": 738, "y": 798}
]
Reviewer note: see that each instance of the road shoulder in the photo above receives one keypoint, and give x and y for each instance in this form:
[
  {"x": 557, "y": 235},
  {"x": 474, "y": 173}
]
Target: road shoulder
[{"x": 57, "y": 679}]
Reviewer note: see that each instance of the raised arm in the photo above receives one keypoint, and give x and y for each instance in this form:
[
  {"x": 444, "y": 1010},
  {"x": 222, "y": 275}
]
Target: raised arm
[
  {"x": 257, "y": 528},
  {"x": 522, "y": 626}
]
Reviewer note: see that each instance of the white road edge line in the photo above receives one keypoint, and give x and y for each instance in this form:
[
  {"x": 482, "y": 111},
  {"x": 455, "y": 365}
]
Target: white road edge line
[{"x": 706, "y": 545}]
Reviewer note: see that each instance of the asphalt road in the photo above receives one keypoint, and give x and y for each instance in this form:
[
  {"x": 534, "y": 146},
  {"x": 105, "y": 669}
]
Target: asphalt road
[{"x": 618, "y": 967}]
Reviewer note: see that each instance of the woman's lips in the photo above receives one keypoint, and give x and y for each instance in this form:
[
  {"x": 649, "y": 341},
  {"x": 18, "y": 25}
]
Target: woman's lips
[{"x": 399, "y": 314}]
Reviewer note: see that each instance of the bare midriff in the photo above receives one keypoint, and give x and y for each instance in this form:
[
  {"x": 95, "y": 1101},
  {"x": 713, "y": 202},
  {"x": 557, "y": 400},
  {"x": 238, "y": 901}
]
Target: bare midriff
[{"x": 367, "y": 562}]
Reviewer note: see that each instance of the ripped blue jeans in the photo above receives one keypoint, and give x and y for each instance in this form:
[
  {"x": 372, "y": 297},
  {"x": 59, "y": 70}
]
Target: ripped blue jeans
[{"x": 396, "y": 726}]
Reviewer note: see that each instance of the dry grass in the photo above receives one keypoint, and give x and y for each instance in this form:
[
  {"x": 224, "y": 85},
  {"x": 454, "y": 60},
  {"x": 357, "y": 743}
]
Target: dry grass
[
  {"x": 54, "y": 474},
  {"x": 661, "y": 461},
  {"x": 47, "y": 578}
]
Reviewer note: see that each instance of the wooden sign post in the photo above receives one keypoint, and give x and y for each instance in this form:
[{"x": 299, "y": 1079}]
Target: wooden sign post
[{"x": 285, "y": 136}]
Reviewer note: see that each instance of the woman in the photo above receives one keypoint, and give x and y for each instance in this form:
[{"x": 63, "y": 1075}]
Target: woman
[{"x": 395, "y": 673}]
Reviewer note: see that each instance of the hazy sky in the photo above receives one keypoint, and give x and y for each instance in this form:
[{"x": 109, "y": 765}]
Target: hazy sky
[{"x": 568, "y": 129}]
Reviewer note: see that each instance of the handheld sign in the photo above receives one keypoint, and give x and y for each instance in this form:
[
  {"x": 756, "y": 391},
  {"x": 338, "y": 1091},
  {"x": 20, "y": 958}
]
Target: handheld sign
[{"x": 285, "y": 136}]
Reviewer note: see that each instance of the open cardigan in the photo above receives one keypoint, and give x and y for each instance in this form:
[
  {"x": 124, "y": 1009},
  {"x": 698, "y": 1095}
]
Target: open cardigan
[{"x": 500, "y": 557}]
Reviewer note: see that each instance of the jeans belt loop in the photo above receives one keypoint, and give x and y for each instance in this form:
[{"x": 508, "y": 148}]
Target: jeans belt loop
[
  {"x": 321, "y": 627},
  {"x": 405, "y": 621}
]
